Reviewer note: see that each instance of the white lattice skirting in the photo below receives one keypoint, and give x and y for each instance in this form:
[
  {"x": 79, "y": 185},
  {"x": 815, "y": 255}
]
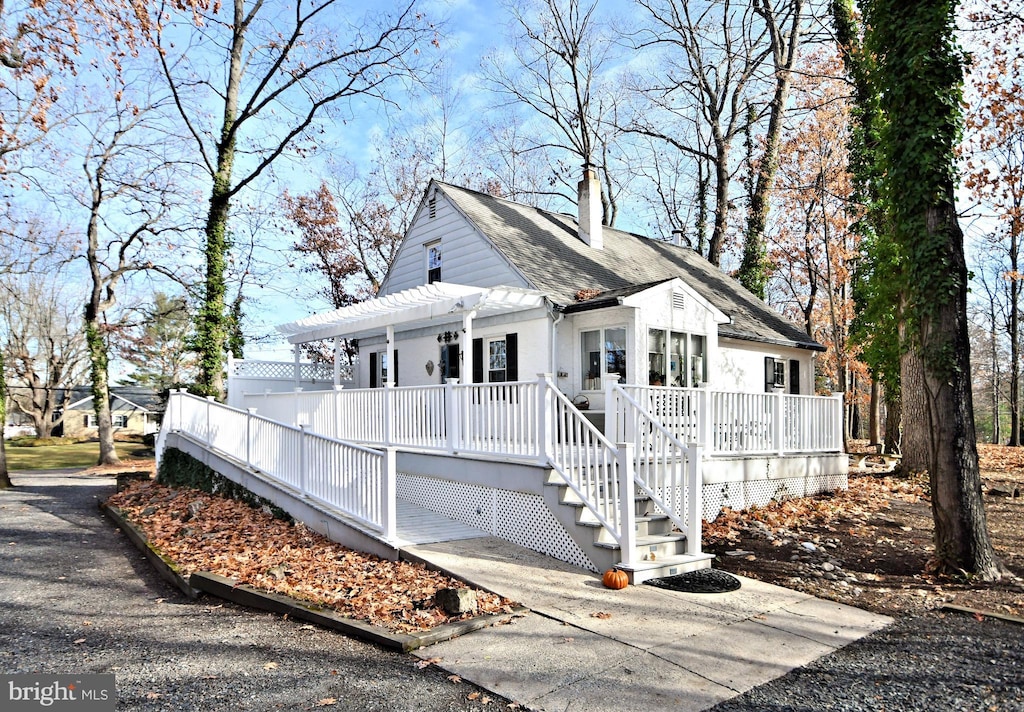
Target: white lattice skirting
[
  {"x": 740, "y": 495},
  {"x": 518, "y": 517}
]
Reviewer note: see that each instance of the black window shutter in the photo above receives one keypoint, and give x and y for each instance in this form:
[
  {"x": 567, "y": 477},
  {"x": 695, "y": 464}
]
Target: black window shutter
[
  {"x": 769, "y": 374},
  {"x": 794, "y": 377},
  {"x": 511, "y": 357},
  {"x": 478, "y": 360},
  {"x": 394, "y": 365},
  {"x": 373, "y": 370},
  {"x": 87, "y": 421}
]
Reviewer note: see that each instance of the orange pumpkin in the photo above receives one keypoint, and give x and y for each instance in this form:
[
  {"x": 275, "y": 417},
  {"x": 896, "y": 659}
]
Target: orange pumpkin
[{"x": 613, "y": 578}]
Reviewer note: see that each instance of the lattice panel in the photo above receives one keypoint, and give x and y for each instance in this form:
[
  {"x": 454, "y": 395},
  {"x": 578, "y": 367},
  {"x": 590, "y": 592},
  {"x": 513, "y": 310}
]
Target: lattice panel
[
  {"x": 518, "y": 517},
  {"x": 286, "y": 370},
  {"x": 740, "y": 495}
]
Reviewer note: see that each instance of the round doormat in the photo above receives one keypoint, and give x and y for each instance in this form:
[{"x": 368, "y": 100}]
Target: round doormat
[{"x": 700, "y": 581}]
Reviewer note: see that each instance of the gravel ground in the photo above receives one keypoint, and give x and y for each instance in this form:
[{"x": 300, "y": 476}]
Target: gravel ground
[
  {"x": 927, "y": 663},
  {"x": 77, "y": 597}
]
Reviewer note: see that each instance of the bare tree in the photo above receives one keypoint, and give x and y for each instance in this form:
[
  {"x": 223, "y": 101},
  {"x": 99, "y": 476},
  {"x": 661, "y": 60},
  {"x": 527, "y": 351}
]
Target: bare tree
[
  {"x": 558, "y": 52},
  {"x": 754, "y": 269},
  {"x": 128, "y": 193},
  {"x": 710, "y": 54},
  {"x": 281, "y": 71},
  {"x": 44, "y": 346}
]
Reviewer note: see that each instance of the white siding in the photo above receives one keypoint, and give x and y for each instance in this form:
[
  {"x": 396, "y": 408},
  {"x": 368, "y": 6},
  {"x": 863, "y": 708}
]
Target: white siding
[
  {"x": 740, "y": 366},
  {"x": 466, "y": 256},
  {"x": 416, "y": 349}
]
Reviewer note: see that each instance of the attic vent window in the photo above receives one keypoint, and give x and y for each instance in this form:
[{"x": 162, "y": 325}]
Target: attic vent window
[
  {"x": 432, "y": 206},
  {"x": 678, "y": 300}
]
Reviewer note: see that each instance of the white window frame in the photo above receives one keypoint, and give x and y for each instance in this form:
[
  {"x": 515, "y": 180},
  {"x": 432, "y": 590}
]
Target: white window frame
[
  {"x": 114, "y": 418},
  {"x": 587, "y": 383},
  {"x": 691, "y": 361},
  {"x": 430, "y": 248},
  {"x": 488, "y": 344}
]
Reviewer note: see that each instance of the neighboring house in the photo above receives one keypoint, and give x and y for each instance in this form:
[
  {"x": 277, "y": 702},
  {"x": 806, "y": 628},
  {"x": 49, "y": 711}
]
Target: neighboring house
[
  {"x": 581, "y": 390},
  {"x": 133, "y": 410}
]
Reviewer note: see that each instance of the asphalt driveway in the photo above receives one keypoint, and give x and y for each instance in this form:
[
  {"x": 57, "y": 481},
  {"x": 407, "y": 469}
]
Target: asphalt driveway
[{"x": 76, "y": 597}]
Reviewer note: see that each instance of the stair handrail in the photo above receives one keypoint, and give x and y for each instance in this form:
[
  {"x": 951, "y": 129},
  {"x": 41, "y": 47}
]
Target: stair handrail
[
  {"x": 590, "y": 469},
  {"x": 691, "y": 455}
]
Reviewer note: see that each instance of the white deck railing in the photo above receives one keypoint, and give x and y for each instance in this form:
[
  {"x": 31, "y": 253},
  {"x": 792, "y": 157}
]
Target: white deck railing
[
  {"x": 728, "y": 423},
  {"x": 356, "y": 480},
  {"x": 665, "y": 468}
]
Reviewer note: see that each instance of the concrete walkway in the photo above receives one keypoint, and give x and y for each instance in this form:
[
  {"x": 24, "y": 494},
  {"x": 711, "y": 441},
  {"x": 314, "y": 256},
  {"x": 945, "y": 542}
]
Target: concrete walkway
[{"x": 587, "y": 648}]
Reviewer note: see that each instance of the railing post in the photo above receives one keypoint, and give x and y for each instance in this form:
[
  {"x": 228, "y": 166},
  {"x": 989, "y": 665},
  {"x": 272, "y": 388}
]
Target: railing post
[
  {"x": 695, "y": 499},
  {"x": 388, "y": 414},
  {"x": 337, "y": 412},
  {"x": 452, "y": 416},
  {"x": 248, "y": 436},
  {"x": 611, "y": 408},
  {"x": 209, "y": 422},
  {"x": 838, "y": 414},
  {"x": 388, "y": 493},
  {"x": 545, "y": 418},
  {"x": 295, "y": 409},
  {"x": 302, "y": 460},
  {"x": 627, "y": 504},
  {"x": 778, "y": 426}
]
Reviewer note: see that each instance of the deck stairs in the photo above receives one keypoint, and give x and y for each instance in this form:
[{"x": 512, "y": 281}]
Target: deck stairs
[{"x": 660, "y": 547}]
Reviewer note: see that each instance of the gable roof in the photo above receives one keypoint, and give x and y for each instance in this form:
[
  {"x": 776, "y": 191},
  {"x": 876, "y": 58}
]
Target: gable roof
[
  {"x": 137, "y": 398},
  {"x": 545, "y": 246}
]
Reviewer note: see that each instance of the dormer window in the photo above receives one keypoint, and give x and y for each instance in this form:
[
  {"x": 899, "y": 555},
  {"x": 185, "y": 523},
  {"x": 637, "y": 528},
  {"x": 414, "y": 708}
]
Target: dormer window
[{"x": 434, "y": 263}]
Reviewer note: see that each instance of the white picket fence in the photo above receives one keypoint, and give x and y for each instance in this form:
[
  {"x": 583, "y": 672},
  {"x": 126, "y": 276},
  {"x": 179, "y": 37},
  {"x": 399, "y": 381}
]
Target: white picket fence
[{"x": 356, "y": 480}]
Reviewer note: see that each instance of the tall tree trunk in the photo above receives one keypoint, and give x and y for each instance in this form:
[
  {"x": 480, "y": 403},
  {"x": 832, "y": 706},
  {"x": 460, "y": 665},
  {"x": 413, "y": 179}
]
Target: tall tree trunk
[
  {"x": 721, "y": 200},
  {"x": 754, "y": 268},
  {"x": 994, "y": 355},
  {"x": 893, "y": 422},
  {"x": 213, "y": 319},
  {"x": 961, "y": 532},
  {"x": 100, "y": 387},
  {"x": 916, "y": 448},
  {"x": 874, "y": 436},
  {"x": 5, "y": 476}
]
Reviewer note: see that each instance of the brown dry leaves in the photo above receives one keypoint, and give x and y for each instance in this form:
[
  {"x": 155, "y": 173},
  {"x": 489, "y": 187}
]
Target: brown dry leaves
[
  {"x": 202, "y": 532},
  {"x": 865, "y": 495}
]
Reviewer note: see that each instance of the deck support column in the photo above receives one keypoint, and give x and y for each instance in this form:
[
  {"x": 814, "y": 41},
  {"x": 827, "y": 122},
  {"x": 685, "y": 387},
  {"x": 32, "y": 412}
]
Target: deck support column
[
  {"x": 611, "y": 411},
  {"x": 694, "y": 499},
  {"x": 388, "y": 494},
  {"x": 627, "y": 504},
  {"x": 778, "y": 426},
  {"x": 545, "y": 418}
]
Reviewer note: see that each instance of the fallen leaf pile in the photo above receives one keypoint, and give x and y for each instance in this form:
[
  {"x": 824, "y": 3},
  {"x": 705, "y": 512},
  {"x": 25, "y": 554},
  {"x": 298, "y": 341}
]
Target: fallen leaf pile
[
  {"x": 999, "y": 458},
  {"x": 202, "y": 532},
  {"x": 863, "y": 496}
]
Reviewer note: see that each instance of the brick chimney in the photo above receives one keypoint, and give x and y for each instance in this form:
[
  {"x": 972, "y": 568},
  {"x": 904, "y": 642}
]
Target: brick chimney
[{"x": 590, "y": 208}]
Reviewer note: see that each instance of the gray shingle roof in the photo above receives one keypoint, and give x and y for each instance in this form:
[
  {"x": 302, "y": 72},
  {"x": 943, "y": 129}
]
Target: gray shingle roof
[{"x": 546, "y": 248}]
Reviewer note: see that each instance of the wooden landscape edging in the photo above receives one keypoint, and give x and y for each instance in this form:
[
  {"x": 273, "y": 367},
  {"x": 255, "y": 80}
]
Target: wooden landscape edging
[
  {"x": 242, "y": 594},
  {"x": 164, "y": 566}
]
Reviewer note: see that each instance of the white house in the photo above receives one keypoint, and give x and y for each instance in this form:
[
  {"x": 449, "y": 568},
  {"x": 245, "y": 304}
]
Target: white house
[{"x": 535, "y": 366}]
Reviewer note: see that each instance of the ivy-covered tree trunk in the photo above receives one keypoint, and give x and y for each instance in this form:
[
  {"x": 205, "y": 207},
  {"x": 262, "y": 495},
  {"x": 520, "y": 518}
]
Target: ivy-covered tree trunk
[
  {"x": 214, "y": 321},
  {"x": 212, "y": 329},
  {"x": 754, "y": 268},
  {"x": 5, "y": 476},
  {"x": 919, "y": 79},
  {"x": 97, "y": 348}
]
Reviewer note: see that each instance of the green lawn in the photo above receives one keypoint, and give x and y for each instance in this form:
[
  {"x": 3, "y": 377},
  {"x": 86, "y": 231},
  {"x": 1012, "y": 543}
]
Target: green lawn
[{"x": 49, "y": 457}]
